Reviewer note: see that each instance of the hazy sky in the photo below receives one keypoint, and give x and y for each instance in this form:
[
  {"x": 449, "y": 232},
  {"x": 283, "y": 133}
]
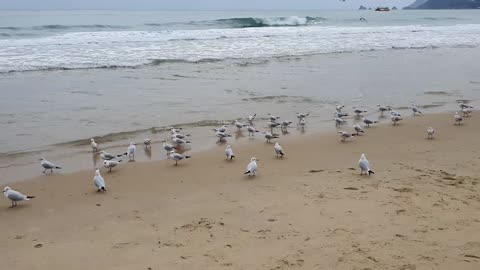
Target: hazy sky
[{"x": 196, "y": 4}]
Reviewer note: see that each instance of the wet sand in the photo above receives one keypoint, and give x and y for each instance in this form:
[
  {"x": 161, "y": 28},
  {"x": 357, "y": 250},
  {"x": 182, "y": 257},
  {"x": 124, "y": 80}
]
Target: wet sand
[{"x": 309, "y": 210}]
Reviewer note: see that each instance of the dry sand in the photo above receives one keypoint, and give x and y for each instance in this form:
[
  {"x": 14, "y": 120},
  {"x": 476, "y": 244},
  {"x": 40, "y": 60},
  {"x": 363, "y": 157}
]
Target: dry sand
[{"x": 421, "y": 210}]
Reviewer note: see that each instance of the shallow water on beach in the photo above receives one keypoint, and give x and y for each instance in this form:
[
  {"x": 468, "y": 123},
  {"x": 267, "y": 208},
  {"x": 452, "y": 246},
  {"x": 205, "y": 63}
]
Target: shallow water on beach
[{"x": 54, "y": 114}]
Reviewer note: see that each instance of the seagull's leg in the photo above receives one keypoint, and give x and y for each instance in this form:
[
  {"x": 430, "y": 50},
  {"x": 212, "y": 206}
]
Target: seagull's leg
[
  {"x": 13, "y": 204},
  {"x": 51, "y": 170},
  {"x": 176, "y": 162},
  {"x": 110, "y": 170},
  {"x": 44, "y": 170}
]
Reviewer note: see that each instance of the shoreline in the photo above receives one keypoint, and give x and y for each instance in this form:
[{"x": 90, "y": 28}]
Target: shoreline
[{"x": 206, "y": 214}]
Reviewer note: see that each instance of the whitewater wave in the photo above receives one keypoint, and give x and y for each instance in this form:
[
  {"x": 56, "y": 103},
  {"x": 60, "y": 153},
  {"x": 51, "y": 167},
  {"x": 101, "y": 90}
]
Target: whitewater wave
[{"x": 269, "y": 21}]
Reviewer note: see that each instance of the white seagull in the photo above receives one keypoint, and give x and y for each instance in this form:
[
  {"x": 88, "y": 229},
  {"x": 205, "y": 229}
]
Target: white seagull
[
  {"x": 302, "y": 123},
  {"x": 251, "y": 118},
  {"x": 271, "y": 124},
  {"x": 430, "y": 132},
  {"x": 358, "y": 129},
  {"x": 99, "y": 181},
  {"x": 464, "y": 106},
  {"x": 300, "y": 116},
  {"x": 94, "y": 145},
  {"x": 229, "y": 152},
  {"x": 364, "y": 165},
  {"x": 168, "y": 147},
  {"x": 466, "y": 112},
  {"x": 109, "y": 164},
  {"x": 179, "y": 142},
  {"x": 415, "y": 110},
  {"x": 252, "y": 167},
  {"x": 344, "y": 135},
  {"x": 222, "y": 135},
  {"x": 339, "y": 121},
  {"x": 273, "y": 118},
  {"x": 278, "y": 150},
  {"x": 177, "y": 157},
  {"x": 383, "y": 109},
  {"x": 285, "y": 124},
  {"x": 221, "y": 129},
  {"x": 251, "y": 131},
  {"x": 368, "y": 122},
  {"x": 395, "y": 119},
  {"x": 458, "y": 118},
  {"x": 147, "y": 143},
  {"x": 15, "y": 196},
  {"x": 47, "y": 165},
  {"x": 359, "y": 111},
  {"x": 340, "y": 114},
  {"x": 269, "y": 136},
  {"x": 107, "y": 156},
  {"x": 239, "y": 125},
  {"x": 131, "y": 151},
  {"x": 339, "y": 107}
]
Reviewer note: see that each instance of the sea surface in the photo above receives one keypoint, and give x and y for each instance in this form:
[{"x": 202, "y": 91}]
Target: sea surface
[{"x": 68, "y": 76}]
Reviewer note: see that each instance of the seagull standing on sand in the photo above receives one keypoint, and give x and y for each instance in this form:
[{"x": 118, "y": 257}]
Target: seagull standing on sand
[
  {"x": 278, "y": 150},
  {"x": 107, "y": 156},
  {"x": 364, "y": 165},
  {"x": 109, "y": 164},
  {"x": 179, "y": 142},
  {"x": 358, "y": 112},
  {"x": 383, "y": 109},
  {"x": 99, "y": 181},
  {"x": 252, "y": 167},
  {"x": 168, "y": 147},
  {"x": 47, "y": 165},
  {"x": 147, "y": 143},
  {"x": 464, "y": 106},
  {"x": 458, "y": 118},
  {"x": 221, "y": 129},
  {"x": 339, "y": 107},
  {"x": 273, "y": 118},
  {"x": 358, "y": 129},
  {"x": 251, "y": 131},
  {"x": 229, "y": 152},
  {"x": 222, "y": 135},
  {"x": 340, "y": 114},
  {"x": 302, "y": 123},
  {"x": 466, "y": 112},
  {"x": 344, "y": 135},
  {"x": 368, "y": 122},
  {"x": 285, "y": 124},
  {"x": 271, "y": 124},
  {"x": 239, "y": 125},
  {"x": 415, "y": 110},
  {"x": 395, "y": 118},
  {"x": 251, "y": 118},
  {"x": 177, "y": 157},
  {"x": 301, "y": 116},
  {"x": 339, "y": 121},
  {"x": 15, "y": 196},
  {"x": 179, "y": 135},
  {"x": 131, "y": 151},
  {"x": 430, "y": 132},
  {"x": 94, "y": 145},
  {"x": 269, "y": 136}
]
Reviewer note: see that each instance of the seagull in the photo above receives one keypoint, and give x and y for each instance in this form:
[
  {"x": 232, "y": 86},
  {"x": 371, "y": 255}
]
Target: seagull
[
  {"x": 466, "y": 112},
  {"x": 271, "y": 124},
  {"x": 179, "y": 135},
  {"x": 364, "y": 165},
  {"x": 344, "y": 135},
  {"x": 221, "y": 129},
  {"x": 94, "y": 145},
  {"x": 300, "y": 116},
  {"x": 368, "y": 122},
  {"x": 339, "y": 121},
  {"x": 252, "y": 167},
  {"x": 273, "y": 118},
  {"x": 229, "y": 152},
  {"x": 278, "y": 150},
  {"x": 222, "y": 135},
  {"x": 430, "y": 132},
  {"x": 109, "y": 164},
  {"x": 340, "y": 114},
  {"x": 339, "y": 107},
  {"x": 168, "y": 147},
  {"x": 177, "y": 157},
  {"x": 302, "y": 123},
  {"x": 107, "y": 156},
  {"x": 395, "y": 113},
  {"x": 358, "y": 112},
  {"x": 15, "y": 196},
  {"x": 464, "y": 106},
  {"x": 47, "y": 165},
  {"x": 395, "y": 119},
  {"x": 251, "y": 131},
  {"x": 415, "y": 110},
  {"x": 179, "y": 142},
  {"x": 383, "y": 109},
  {"x": 358, "y": 129},
  {"x": 99, "y": 181},
  {"x": 458, "y": 118},
  {"x": 269, "y": 136},
  {"x": 131, "y": 151},
  {"x": 285, "y": 124},
  {"x": 147, "y": 143},
  {"x": 239, "y": 125},
  {"x": 251, "y": 118}
]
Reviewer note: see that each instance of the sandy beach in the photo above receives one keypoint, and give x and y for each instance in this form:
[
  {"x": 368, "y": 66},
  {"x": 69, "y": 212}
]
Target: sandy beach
[{"x": 309, "y": 210}]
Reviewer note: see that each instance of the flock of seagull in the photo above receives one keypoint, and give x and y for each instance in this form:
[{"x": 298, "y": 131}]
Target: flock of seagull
[{"x": 178, "y": 140}]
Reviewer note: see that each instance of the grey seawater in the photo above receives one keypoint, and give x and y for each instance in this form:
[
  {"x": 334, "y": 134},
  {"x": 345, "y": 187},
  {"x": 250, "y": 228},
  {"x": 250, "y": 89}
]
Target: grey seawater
[{"x": 55, "y": 113}]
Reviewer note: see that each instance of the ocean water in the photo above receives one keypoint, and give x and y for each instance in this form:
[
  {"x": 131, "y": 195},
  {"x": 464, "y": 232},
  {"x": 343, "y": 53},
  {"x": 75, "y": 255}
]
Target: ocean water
[{"x": 67, "y": 76}]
